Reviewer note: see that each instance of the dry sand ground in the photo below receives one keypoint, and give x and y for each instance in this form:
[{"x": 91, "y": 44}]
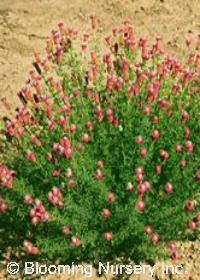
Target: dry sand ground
[{"x": 24, "y": 25}]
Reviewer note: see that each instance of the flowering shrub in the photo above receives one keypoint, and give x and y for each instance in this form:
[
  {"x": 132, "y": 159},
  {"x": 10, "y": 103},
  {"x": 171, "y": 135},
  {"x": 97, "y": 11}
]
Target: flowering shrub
[{"x": 102, "y": 159}]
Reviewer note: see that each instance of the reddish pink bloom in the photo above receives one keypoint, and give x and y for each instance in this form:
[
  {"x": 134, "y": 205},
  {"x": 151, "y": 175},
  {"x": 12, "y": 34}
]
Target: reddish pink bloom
[
  {"x": 69, "y": 173},
  {"x": 55, "y": 196},
  {"x": 107, "y": 236},
  {"x": 31, "y": 156},
  {"x": 163, "y": 154},
  {"x": 192, "y": 225},
  {"x": 155, "y": 134},
  {"x": 155, "y": 120},
  {"x": 143, "y": 152},
  {"x": 141, "y": 190},
  {"x": 171, "y": 246},
  {"x": 140, "y": 204},
  {"x": 72, "y": 128},
  {"x": 186, "y": 132},
  {"x": 183, "y": 163},
  {"x": 138, "y": 139},
  {"x": 89, "y": 125},
  {"x": 168, "y": 188},
  {"x": 105, "y": 213},
  {"x": 111, "y": 197},
  {"x": 155, "y": 238},
  {"x": 6, "y": 177},
  {"x": 86, "y": 138},
  {"x": 197, "y": 217},
  {"x": 28, "y": 199},
  {"x": 178, "y": 148},
  {"x": 98, "y": 174},
  {"x": 66, "y": 230},
  {"x": 148, "y": 229},
  {"x": 184, "y": 116},
  {"x": 147, "y": 110},
  {"x": 3, "y": 205},
  {"x": 189, "y": 146},
  {"x": 198, "y": 175},
  {"x": 190, "y": 205},
  {"x": 162, "y": 103},
  {"x": 75, "y": 241},
  {"x": 35, "y": 140},
  {"x": 100, "y": 164},
  {"x": 38, "y": 213},
  {"x": 30, "y": 248},
  {"x": 158, "y": 169}
]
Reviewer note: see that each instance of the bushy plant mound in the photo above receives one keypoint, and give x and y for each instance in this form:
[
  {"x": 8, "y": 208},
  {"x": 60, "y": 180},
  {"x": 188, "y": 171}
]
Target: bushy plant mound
[{"x": 102, "y": 160}]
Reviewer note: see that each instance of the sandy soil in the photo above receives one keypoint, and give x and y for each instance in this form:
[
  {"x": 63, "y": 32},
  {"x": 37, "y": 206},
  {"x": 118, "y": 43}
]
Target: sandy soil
[{"x": 24, "y": 25}]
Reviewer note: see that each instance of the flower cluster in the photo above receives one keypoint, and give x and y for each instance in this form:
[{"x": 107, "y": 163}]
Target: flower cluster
[
  {"x": 6, "y": 176},
  {"x": 29, "y": 248},
  {"x": 38, "y": 213},
  {"x": 55, "y": 197}
]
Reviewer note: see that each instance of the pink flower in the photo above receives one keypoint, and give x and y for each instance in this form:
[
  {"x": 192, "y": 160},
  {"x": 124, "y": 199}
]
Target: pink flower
[
  {"x": 190, "y": 205},
  {"x": 168, "y": 188},
  {"x": 155, "y": 238},
  {"x": 183, "y": 163},
  {"x": 143, "y": 152},
  {"x": 69, "y": 173},
  {"x": 184, "y": 116},
  {"x": 100, "y": 164},
  {"x": 31, "y": 156},
  {"x": 155, "y": 120},
  {"x": 155, "y": 134},
  {"x": 111, "y": 197},
  {"x": 192, "y": 225},
  {"x": 72, "y": 128},
  {"x": 28, "y": 199},
  {"x": 141, "y": 190},
  {"x": 105, "y": 213},
  {"x": 198, "y": 175},
  {"x": 162, "y": 103},
  {"x": 148, "y": 229},
  {"x": 186, "y": 132},
  {"x": 3, "y": 207},
  {"x": 138, "y": 139},
  {"x": 107, "y": 236},
  {"x": 98, "y": 174},
  {"x": 38, "y": 213},
  {"x": 163, "y": 154},
  {"x": 89, "y": 125},
  {"x": 158, "y": 169},
  {"x": 6, "y": 176},
  {"x": 178, "y": 148},
  {"x": 171, "y": 246},
  {"x": 75, "y": 241},
  {"x": 86, "y": 138},
  {"x": 35, "y": 140},
  {"x": 147, "y": 110},
  {"x": 55, "y": 196},
  {"x": 189, "y": 146},
  {"x": 140, "y": 204},
  {"x": 197, "y": 217},
  {"x": 30, "y": 248},
  {"x": 66, "y": 230}
]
